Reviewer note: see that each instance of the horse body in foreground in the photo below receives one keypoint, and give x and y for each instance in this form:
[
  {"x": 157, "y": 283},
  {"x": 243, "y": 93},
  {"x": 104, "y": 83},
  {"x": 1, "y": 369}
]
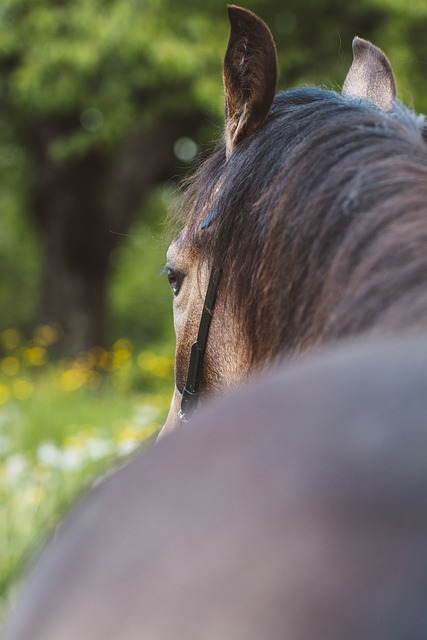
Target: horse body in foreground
[{"x": 298, "y": 507}]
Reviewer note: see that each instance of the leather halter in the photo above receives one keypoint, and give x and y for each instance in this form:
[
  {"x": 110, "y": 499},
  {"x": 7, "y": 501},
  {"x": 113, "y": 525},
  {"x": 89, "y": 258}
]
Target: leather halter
[{"x": 191, "y": 392}]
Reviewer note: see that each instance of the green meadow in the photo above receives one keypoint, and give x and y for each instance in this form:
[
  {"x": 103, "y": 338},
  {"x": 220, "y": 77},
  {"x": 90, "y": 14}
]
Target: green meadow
[{"x": 63, "y": 424}]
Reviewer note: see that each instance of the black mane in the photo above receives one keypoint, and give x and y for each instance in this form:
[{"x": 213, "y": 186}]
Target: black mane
[{"x": 321, "y": 222}]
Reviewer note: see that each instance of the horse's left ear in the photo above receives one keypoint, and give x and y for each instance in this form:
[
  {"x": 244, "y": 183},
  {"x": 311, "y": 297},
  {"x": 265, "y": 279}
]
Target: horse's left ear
[
  {"x": 370, "y": 76},
  {"x": 250, "y": 75}
]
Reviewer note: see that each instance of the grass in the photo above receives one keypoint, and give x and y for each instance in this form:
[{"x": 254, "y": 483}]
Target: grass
[{"x": 64, "y": 423}]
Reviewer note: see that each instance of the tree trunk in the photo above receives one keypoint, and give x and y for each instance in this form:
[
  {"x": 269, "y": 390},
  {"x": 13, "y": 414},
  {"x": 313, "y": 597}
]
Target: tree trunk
[
  {"x": 73, "y": 298},
  {"x": 82, "y": 207}
]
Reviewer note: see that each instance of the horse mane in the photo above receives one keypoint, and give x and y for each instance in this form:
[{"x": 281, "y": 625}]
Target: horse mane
[{"x": 320, "y": 229}]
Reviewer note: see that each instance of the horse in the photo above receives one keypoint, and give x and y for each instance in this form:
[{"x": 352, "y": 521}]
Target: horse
[
  {"x": 311, "y": 216},
  {"x": 295, "y": 507}
]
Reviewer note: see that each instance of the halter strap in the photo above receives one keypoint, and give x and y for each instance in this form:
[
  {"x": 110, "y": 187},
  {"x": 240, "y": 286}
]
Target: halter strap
[{"x": 191, "y": 391}]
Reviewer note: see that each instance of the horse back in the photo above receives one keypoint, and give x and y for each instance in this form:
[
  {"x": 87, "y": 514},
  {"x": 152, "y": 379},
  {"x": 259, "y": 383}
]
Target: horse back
[{"x": 295, "y": 508}]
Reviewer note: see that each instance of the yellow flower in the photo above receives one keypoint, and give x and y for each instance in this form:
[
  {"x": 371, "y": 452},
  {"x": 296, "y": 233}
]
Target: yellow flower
[
  {"x": 127, "y": 434},
  {"x": 36, "y": 356},
  {"x": 45, "y": 335},
  {"x": 76, "y": 440},
  {"x": 4, "y": 393},
  {"x": 131, "y": 437},
  {"x": 121, "y": 358},
  {"x": 10, "y": 366},
  {"x": 159, "y": 366},
  {"x": 101, "y": 357},
  {"x": 122, "y": 343},
  {"x": 10, "y": 338},
  {"x": 150, "y": 430},
  {"x": 72, "y": 379},
  {"x": 85, "y": 360}
]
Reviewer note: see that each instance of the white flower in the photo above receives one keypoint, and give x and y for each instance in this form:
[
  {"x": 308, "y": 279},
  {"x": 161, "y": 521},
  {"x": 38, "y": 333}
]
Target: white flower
[
  {"x": 145, "y": 414},
  {"x": 14, "y": 467},
  {"x": 73, "y": 458},
  {"x": 97, "y": 448},
  {"x": 49, "y": 454},
  {"x": 127, "y": 446}
]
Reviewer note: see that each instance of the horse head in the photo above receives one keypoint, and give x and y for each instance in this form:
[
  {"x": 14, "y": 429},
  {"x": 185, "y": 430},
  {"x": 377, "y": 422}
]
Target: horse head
[{"x": 242, "y": 223}]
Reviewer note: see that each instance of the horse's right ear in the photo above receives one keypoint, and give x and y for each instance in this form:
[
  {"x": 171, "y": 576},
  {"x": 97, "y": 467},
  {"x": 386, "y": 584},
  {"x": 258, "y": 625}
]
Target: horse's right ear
[
  {"x": 250, "y": 75},
  {"x": 370, "y": 76}
]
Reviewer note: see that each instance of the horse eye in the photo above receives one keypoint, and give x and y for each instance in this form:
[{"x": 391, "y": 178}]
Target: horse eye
[{"x": 175, "y": 280}]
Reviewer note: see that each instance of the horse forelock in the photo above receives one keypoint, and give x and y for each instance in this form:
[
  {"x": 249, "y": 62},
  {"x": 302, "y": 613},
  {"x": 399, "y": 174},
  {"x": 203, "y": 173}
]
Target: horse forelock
[{"x": 326, "y": 181}]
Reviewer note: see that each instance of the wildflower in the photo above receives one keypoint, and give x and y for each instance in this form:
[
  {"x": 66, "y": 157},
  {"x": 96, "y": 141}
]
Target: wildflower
[
  {"x": 78, "y": 439},
  {"x": 122, "y": 343},
  {"x": 73, "y": 458},
  {"x": 85, "y": 360},
  {"x": 128, "y": 440},
  {"x": 4, "y": 394},
  {"x": 49, "y": 454},
  {"x": 121, "y": 358},
  {"x": 10, "y": 366},
  {"x": 101, "y": 357},
  {"x": 35, "y": 356},
  {"x": 151, "y": 363},
  {"x": 72, "y": 379},
  {"x": 45, "y": 335},
  {"x": 150, "y": 431},
  {"x": 145, "y": 413},
  {"x": 10, "y": 339},
  {"x": 97, "y": 449},
  {"x": 14, "y": 467}
]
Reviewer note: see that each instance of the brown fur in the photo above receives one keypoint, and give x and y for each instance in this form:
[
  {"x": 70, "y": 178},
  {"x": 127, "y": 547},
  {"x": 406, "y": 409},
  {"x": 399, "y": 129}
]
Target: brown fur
[
  {"x": 250, "y": 74},
  {"x": 370, "y": 76},
  {"x": 320, "y": 225},
  {"x": 296, "y": 508},
  {"x": 324, "y": 237}
]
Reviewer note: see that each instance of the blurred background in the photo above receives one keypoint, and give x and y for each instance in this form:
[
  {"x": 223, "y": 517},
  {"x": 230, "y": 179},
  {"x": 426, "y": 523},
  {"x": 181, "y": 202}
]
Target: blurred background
[{"x": 105, "y": 105}]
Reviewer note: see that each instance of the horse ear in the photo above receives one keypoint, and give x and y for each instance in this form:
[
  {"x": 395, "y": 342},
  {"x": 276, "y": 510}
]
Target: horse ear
[
  {"x": 370, "y": 75},
  {"x": 250, "y": 75}
]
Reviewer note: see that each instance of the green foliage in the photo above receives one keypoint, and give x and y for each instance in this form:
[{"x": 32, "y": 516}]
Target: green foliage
[
  {"x": 403, "y": 38},
  {"x": 93, "y": 71},
  {"x": 64, "y": 423},
  {"x": 69, "y": 57},
  {"x": 140, "y": 297},
  {"x": 19, "y": 243},
  {"x": 87, "y": 76},
  {"x": 131, "y": 60}
]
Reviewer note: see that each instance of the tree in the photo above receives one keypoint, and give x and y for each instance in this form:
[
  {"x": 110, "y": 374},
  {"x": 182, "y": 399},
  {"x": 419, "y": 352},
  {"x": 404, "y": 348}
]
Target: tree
[
  {"x": 93, "y": 95},
  {"x": 96, "y": 94}
]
